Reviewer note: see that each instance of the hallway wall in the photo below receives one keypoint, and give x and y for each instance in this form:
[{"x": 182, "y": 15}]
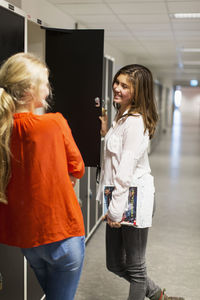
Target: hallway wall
[{"x": 190, "y": 105}]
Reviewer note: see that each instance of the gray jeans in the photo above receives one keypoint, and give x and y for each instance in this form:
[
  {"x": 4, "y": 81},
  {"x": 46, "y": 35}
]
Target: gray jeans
[{"x": 125, "y": 256}]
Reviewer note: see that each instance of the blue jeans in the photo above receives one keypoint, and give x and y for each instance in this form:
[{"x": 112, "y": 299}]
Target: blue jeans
[
  {"x": 125, "y": 256},
  {"x": 58, "y": 266}
]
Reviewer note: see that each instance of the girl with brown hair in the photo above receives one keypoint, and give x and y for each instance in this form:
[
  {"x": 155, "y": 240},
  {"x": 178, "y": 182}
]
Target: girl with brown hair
[{"x": 126, "y": 168}]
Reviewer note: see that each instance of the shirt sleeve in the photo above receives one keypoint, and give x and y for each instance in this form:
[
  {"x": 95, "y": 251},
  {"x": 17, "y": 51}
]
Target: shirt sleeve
[
  {"x": 75, "y": 161},
  {"x": 132, "y": 139}
]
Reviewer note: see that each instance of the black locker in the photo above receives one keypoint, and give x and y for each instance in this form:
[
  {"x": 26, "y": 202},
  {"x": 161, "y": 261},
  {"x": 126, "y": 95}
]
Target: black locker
[
  {"x": 93, "y": 203},
  {"x": 34, "y": 291},
  {"x": 84, "y": 199},
  {"x": 12, "y": 270},
  {"x": 12, "y": 261},
  {"x": 11, "y": 33},
  {"x": 75, "y": 59}
]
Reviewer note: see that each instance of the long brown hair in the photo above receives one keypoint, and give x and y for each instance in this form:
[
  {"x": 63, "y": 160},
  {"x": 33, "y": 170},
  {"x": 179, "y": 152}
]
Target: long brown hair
[
  {"x": 17, "y": 75},
  {"x": 143, "y": 101}
]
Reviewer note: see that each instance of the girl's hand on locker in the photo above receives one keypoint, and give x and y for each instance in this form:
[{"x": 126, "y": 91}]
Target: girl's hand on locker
[{"x": 104, "y": 124}]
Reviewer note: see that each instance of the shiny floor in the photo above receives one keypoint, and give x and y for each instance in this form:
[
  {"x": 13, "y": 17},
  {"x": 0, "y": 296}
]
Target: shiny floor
[{"x": 173, "y": 252}]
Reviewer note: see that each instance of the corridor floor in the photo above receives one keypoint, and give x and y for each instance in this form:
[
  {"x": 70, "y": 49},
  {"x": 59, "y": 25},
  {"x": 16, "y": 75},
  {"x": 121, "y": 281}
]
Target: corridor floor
[{"x": 173, "y": 251}]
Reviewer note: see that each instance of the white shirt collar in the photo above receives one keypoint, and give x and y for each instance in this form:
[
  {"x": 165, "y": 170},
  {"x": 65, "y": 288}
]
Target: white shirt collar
[{"x": 114, "y": 122}]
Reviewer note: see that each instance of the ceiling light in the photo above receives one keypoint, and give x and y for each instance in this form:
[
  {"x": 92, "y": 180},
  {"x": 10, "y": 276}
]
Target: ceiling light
[
  {"x": 194, "y": 82},
  {"x": 177, "y": 98},
  {"x": 192, "y": 63},
  {"x": 185, "y": 16},
  {"x": 191, "y": 50}
]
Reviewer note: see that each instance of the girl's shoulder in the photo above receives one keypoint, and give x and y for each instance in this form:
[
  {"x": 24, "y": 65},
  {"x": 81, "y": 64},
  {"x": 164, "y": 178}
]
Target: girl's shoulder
[
  {"x": 46, "y": 121},
  {"x": 134, "y": 124},
  {"x": 35, "y": 124},
  {"x": 55, "y": 119},
  {"x": 134, "y": 118},
  {"x": 52, "y": 116}
]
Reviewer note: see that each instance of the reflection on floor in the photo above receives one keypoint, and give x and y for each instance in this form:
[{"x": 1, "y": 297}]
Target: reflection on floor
[{"x": 173, "y": 253}]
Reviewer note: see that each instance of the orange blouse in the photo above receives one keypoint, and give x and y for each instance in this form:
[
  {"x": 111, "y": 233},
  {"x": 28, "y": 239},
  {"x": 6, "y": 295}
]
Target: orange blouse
[{"x": 42, "y": 206}]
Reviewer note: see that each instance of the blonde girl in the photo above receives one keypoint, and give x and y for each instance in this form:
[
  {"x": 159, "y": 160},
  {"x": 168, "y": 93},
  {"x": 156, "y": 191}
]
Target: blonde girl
[{"x": 39, "y": 211}]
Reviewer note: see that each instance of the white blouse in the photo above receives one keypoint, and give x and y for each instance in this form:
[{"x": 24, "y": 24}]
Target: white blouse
[{"x": 126, "y": 164}]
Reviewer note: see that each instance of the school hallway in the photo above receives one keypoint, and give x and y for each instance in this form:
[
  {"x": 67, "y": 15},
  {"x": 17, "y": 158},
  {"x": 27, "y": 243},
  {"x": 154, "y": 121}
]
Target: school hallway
[{"x": 173, "y": 251}]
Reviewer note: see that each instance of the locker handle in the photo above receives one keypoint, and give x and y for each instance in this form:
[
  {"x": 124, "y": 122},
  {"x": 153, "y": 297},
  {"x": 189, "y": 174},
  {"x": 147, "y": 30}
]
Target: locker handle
[{"x": 97, "y": 102}]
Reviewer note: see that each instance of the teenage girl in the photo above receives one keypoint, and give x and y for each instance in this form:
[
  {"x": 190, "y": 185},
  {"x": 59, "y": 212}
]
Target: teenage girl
[
  {"x": 40, "y": 162},
  {"x": 126, "y": 165}
]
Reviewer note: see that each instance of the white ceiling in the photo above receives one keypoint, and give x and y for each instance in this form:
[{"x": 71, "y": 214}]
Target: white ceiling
[{"x": 144, "y": 29}]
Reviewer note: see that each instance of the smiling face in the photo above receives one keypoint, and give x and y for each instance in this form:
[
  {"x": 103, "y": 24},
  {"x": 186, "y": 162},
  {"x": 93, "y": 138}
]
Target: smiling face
[{"x": 123, "y": 92}]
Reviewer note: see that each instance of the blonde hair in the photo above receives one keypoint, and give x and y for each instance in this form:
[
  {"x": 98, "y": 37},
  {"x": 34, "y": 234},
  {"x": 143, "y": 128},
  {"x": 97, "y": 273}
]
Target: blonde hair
[{"x": 18, "y": 74}]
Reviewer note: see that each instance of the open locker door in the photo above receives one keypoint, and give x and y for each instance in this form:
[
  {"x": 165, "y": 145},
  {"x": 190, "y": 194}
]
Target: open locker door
[
  {"x": 11, "y": 33},
  {"x": 75, "y": 60}
]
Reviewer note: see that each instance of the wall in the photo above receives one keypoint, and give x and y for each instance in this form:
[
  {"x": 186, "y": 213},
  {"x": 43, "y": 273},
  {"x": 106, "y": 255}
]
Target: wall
[
  {"x": 49, "y": 14},
  {"x": 36, "y": 40},
  {"x": 119, "y": 58},
  {"x": 190, "y": 105},
  {"x": 15, "y": 2}
]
